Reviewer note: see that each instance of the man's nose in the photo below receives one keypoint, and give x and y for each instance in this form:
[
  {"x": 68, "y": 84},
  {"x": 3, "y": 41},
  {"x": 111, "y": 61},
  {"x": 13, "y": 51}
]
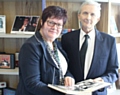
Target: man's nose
[{"x": 88, "y": 16}]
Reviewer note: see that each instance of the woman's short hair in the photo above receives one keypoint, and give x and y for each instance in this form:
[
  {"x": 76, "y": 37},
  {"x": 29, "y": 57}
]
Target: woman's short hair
[{"x": 54, "y": 12}]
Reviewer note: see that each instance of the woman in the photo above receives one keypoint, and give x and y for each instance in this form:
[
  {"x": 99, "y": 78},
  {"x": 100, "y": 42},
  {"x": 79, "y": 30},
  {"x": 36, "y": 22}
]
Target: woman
[{"x": 41, "y": 59}]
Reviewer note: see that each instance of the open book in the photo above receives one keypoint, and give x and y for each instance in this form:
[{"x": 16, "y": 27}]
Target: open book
[{"x": 87, "y": 86}]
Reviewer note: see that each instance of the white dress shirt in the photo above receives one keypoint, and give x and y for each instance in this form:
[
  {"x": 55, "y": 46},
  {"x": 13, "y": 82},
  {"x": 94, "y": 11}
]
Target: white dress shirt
[{"x": 63, "y": 62}]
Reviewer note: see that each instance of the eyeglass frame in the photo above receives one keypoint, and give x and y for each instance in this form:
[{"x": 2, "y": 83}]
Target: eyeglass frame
[{"x": 52, "y": 23}]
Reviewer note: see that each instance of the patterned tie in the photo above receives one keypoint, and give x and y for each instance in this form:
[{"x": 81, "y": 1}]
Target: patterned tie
[{"x": 83, "y": 52}]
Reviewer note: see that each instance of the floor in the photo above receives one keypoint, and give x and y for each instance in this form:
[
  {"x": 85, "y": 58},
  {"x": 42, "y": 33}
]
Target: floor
[{"x": 115, "y": 92}]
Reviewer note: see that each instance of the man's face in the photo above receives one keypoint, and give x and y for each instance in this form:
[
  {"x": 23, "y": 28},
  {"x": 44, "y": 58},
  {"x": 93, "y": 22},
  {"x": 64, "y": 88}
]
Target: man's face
[
  {"x": 26, "y": 21},
  {"x": 89, "y": 16}
]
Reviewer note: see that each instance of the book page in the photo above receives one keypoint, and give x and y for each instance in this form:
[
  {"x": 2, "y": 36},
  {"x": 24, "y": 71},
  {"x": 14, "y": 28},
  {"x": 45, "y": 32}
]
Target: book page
[{"x": 87, "y": 86}]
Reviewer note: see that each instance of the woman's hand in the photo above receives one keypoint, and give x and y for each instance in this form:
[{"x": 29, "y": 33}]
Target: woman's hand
[{"x": 69, "y": 81}]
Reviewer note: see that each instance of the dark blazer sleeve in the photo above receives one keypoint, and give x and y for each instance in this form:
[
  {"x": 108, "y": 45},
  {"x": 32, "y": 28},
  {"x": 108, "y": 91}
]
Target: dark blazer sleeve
[
  {"x": 29, "y": 68},
  {"x": 30, "y": 74},
  {"x": 105, "y": 60},
  {"x": 111, "y": 74}
]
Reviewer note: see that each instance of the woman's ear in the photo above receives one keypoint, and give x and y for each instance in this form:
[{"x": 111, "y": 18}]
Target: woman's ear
[{"x": 41, "y": 22}]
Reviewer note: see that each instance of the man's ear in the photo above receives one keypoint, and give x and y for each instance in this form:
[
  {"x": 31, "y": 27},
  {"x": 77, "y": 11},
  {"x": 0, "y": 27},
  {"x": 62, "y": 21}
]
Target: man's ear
[{"x": 98, "y": 19}]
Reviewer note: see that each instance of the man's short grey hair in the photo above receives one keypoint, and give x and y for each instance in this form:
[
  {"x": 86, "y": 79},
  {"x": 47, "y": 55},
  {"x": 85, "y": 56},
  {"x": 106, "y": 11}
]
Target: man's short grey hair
[{"x": 98, "y": 5}]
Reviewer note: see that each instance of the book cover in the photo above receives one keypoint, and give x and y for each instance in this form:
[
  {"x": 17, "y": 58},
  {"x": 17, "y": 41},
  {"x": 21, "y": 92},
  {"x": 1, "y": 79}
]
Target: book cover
[
  {"x": 83, "y": 87},
  {"x": 2, "y": 24},
  {"x": 8, "y": 91},
  {"x": 7, "y": 61},
  {"x": 64, "y": 31},
  {"x": 113, "y": 26}
]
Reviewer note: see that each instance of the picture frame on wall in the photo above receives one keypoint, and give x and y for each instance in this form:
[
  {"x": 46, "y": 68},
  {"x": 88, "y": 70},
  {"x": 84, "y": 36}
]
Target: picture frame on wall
[
  {"x": 25, "y": 24},
  {"x": 2, "y": 24},
  {"x": 7, "y": 61}
]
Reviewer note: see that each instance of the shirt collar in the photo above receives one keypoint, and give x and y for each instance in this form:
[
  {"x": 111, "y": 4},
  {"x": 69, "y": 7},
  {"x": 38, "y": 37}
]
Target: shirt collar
[{"x": 91, "y": 34}]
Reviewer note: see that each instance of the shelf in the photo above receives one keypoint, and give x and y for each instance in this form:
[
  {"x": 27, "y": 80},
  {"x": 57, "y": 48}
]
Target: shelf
[
  {"x": 77, "y": 0},
  {"x": 15, "y": 35},
  {"x": 115, "y": 1},
  {"x": 9, "y": 71},
  {"x": 115, "y": 35},
  {"x": 63, "y": 0}
]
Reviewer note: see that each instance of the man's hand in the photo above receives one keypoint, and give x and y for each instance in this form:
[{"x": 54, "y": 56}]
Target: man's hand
[{"x": 99, "y": 79}]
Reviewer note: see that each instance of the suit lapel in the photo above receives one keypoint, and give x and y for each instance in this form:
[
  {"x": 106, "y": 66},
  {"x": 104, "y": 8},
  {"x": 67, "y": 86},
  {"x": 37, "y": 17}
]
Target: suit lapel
[
  {"x": 48, "y": 57},
  {"x": 75, "y": 45},
  {"x": 75, "y": 42},
  {"x": 45, "y": 51},
  {"x": 97, "y": 53}
]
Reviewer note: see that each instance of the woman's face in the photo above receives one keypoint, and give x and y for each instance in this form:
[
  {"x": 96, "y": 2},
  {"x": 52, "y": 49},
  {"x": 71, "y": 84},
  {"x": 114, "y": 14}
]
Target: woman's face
[{"x": 52, "y": 29}]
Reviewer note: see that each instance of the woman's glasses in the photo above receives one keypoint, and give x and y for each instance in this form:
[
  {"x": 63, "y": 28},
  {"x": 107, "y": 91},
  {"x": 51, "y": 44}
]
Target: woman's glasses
[{"x": 51, "y": 24}]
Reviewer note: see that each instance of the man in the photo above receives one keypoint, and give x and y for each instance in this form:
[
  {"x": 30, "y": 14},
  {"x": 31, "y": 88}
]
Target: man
[
  {"x": 101, "y": 63},
  {"x": 26, "y": 25}
]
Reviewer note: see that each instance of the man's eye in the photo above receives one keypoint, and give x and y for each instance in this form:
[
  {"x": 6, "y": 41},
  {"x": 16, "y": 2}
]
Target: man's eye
[
  {"x": 92, "y": 14},
  {"x": 85, "y": 13}
]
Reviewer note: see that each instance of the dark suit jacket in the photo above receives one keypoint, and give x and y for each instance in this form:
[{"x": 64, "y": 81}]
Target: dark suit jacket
[
  {"x": 37, "y": 69},
  {"x": 104, "y": 63},
  {"x": 30, "y": 28}
]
